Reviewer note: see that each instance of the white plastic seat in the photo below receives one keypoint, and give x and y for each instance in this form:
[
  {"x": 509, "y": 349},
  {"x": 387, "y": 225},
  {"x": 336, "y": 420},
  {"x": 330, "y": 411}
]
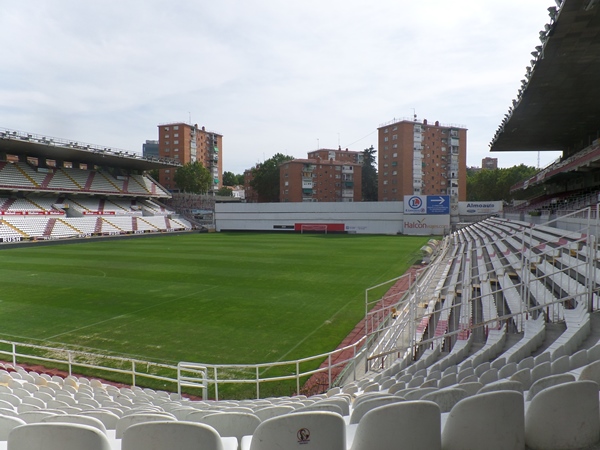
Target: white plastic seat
[
  {"x": 35, "y": 416},
  {"x": 413, "y": 425},
  {"x": 319, "y": 429},
  {"x": 7, "y": 424},
  {"x": 363, "y": 407},
  {"x": 76, "y": 418},
  {"x": 232, "y": 424},
  {"x": 57, "y": 436},
  {"x": 177, "y": 435},
  {"x": 125, "y": 422},
  {"x": 269, "y": 412},
  {"x": 491, "y": 421},
  {"x": 564, "y": 416},
  {"x": 108, "y": 418}
]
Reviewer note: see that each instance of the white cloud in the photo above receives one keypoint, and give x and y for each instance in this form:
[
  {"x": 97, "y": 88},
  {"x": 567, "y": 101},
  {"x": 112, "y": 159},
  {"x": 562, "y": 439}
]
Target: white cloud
[{"x": 270, "y": 76}]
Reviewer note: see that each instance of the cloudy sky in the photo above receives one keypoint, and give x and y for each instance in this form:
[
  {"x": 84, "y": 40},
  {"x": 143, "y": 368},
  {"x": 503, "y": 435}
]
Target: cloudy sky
[{"x": 269, "y": 75}]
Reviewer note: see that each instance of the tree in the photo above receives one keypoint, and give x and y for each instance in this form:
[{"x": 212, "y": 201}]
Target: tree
[
  {"x": 239, "y": 179},
  {"x": 229, "y": 179},
  {"x": 193, "y": 178},
  {"x": 495, "y": 184},
  {"x": 225, "y": 192},
  {"x": 154, "y": 173},
  {"x": 265, "y": 178},
  {"x": 369, "y": 175}
]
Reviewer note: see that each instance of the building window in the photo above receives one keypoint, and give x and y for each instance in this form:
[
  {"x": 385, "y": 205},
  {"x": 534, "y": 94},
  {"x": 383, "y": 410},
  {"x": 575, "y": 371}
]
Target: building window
[
  {"x": 394, "y": 137},
  {"x": 175, "y": 142},
  {"x": 175, "y": 149},
  {"x": 176, "y": 127},
  {"x": 166, "y": 128},
  {"x": 385, "y": 131},
  {"x": 395, "y": 172},
  {"x": 167, "y": 170},
  {"x": 385, "y": 182},
  {"x": 385, "y": 139},
  {"x": 167, "y": 136},
  {"x": 176, "y": 135},
  {"x": 395, "y": 146},
  {"x": 394, "y": 154},
  {"x": 287, "y": 183},
  {"x": 166, "y": 142}
]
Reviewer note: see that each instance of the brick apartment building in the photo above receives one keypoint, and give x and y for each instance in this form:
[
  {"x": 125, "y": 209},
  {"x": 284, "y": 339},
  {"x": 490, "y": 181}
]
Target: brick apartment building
[
  {"x": 188, "y": 143},
  {"x": 318, "y": 180},
  {"x": 417, "y": 158},
  {"x": 489, "y": 163}
]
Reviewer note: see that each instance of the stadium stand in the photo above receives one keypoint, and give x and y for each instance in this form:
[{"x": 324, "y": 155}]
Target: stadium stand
[{"x": 39, "y": 201}]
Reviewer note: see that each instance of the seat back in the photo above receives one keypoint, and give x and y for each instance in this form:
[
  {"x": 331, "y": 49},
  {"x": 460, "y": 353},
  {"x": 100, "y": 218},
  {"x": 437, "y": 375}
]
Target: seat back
[
  {"x": 57, "y": 436},
  {"x": 564, "y": 416},
  {"x": 125, "y": 422},
  {"x": 320, "y": 429},
  {"x": 108, "y": 418},
  {"x": 412, "y": 424},
  {"x": 75, "y": 418},
  {"x": 7, "y": 424},
  {"x": 232, "y": 424},
  {"x": 367, "y": 405},
  {"x": 179, "y": 435},
  {"x": 273, "y": 411},
  {"x": 493, "y": 420}
]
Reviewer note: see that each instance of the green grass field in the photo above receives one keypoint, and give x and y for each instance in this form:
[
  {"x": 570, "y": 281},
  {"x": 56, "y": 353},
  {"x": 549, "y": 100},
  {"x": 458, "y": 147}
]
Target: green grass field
[{"x": 212, "y": 298}]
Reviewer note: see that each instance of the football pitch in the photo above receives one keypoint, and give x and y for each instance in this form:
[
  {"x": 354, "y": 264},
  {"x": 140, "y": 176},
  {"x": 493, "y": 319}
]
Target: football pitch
[{"x": 216, "y": 298}]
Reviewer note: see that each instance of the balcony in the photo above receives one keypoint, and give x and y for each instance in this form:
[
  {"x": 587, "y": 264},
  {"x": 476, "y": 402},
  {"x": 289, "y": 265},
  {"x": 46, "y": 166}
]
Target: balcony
[
  {"x": 348, "y": 184},
  {"x": 347, "y": 193}
]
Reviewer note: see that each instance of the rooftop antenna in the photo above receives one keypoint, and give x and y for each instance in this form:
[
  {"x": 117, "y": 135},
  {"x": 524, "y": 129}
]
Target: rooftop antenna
[
  {"x": 339, "y": 144},
  {"x": 414, "y": 114}
]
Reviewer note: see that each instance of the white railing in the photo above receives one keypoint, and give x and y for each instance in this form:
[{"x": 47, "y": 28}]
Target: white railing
[
  {"x": 207, "y": 376},
  {"x": 74, "y": 360}
]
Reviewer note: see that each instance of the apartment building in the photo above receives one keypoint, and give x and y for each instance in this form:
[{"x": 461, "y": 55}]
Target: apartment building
[
  {"x": 320, "y": 179},
  {"x": 489, "y": 163},
  {"x": 418, "y": 158},
  {"x": 189, "y": 143}
]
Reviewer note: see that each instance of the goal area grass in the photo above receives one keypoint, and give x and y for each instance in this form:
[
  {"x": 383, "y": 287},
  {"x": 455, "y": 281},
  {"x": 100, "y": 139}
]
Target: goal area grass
[{"x": 218, "y": 298}]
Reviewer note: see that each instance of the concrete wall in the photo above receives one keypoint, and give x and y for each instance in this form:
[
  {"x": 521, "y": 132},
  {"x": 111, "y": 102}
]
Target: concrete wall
[{"x": 363, "y": 217}]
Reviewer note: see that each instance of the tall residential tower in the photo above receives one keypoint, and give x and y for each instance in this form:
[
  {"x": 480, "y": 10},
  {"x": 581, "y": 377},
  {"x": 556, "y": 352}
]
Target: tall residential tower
[
  {"x": 188, "y": 143},
  {"x": 417, "y": 158}
]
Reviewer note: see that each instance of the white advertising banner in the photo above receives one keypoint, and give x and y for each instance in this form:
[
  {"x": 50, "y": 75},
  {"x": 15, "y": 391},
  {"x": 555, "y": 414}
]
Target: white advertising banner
[
  {"x": 426, "y": 224},
  {"x": 479, "y": 208},
  {"x": 415, "y": 204}
]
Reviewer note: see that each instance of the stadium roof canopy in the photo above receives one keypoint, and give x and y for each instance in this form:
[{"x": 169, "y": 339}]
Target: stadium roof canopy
[
  {"x": 36, "y": 146},
  {"x": 558, "y": 107}
]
